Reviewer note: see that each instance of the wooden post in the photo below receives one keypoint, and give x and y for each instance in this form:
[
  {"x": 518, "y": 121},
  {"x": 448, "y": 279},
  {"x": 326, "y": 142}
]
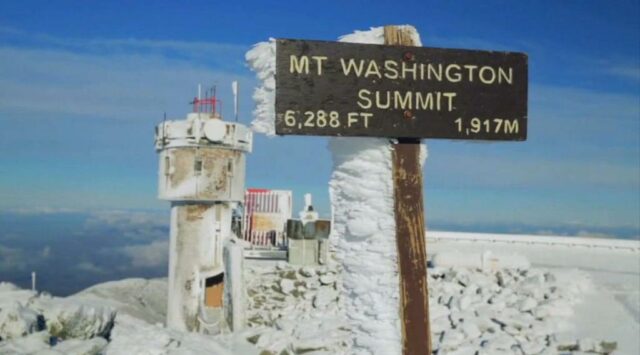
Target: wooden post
[{"x": 410, "y": 229}]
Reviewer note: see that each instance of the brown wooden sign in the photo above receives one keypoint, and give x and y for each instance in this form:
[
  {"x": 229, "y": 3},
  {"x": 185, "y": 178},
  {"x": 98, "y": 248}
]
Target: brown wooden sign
[{"x": 345, "y": 89}]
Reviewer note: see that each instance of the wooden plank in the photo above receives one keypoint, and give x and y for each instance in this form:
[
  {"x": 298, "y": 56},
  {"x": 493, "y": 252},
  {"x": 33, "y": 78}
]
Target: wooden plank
[
  {"x": 410, "y": 232},
  {"x": 348, "y": 89},
  {"x": 214, "y": 290}
]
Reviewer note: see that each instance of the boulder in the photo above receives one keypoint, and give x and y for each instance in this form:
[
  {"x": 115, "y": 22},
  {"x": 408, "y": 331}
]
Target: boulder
[
  {"x": 17, "y": 320},
  {"x": 324, "y": 297},
  {"x": 69, "y": 318},
  {"x": 34, "y": 343},
  {"x": 328, "y": 279},
  {"x": 286, "y": 286}
]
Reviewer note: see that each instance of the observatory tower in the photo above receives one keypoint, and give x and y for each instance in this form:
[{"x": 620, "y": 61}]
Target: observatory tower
[{"x": 202, "y": 174}]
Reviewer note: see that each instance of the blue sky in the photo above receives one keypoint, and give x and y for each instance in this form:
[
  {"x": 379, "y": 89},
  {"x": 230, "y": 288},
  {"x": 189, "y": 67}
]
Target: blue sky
[{"x": 82, "y": 83}]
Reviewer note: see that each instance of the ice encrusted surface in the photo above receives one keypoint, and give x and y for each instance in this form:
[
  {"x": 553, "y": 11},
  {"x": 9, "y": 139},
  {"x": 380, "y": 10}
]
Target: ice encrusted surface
[
  {"x": 361, "y": 191},
  {"x": 362, "y": 207},
  {"x": 296, "y": 310},
  {"x": 262, "y": 60},
  {"x": 507, "y": 311},
  {"x": 105, "y": 319},
  {"x": 300, "y": 310}
]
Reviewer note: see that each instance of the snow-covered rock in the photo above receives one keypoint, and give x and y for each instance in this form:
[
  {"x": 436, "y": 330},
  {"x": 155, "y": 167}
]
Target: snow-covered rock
[
  {"x": 17, "y": 320},
  {"x": 324, "y": 297},
  {"x": 140, "y": 298},
  {"x": 134, "y": 336},
  {"x": 93, "y": 346},
  {"x": 307, "y": 319},
  {"x": 29, "y": 344},
  {"x": 286, "y": 286},
  {"x": 328, "y": 279},
  {"x": 473, "y": 311},
  {"x": 72, "y": 318},
  {"x": 308, "y": 271}
]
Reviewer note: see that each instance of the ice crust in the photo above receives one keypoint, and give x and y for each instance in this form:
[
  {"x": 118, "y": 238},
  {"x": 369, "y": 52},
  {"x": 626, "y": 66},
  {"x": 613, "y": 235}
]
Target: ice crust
[
  {"x": 361, "y": 191},
  {"x": 262, "y": 60},
  {"x": 111, "y": 318},
  {"x": 298, "y": 310}
]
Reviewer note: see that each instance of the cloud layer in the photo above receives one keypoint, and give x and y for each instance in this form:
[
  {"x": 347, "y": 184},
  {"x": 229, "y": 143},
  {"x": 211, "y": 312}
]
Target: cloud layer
[{"x": 109, "y": 78}]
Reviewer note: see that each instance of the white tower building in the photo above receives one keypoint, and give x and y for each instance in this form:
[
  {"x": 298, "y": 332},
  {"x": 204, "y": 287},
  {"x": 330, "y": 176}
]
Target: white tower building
[{"x": 202, "y": 173}]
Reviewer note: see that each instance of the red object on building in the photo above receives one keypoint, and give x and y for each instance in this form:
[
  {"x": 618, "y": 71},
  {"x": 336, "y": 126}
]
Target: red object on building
[
  {"x": 208, "y": 104},
  {"x": 265, "y": 217}
]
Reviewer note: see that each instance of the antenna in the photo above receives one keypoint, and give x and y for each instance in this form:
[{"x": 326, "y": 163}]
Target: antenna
[
  {"x": 164, "y": 128},
  {"x": 214, "y": 101},
  {"x": 234, "y": 88},
  {"x": 199, "y": 91}
]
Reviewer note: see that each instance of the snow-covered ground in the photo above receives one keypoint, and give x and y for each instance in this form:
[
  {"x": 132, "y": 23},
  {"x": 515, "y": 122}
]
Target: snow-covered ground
[
  {"x": 489, "y": 294},
  {"x": 608, "y": 310}
]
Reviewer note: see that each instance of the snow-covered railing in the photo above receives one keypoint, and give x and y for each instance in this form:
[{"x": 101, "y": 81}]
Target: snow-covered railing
[{"x": 609, "y": 243}]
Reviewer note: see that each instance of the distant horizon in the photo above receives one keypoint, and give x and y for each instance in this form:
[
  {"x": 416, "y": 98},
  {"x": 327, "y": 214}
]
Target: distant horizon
[
  {"x": 73, "y": 250},
  {"x": 567, "y": 229}
]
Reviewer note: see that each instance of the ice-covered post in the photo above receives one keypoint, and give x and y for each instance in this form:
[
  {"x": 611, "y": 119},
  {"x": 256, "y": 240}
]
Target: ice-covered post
[{"x": 384, "y": 86}]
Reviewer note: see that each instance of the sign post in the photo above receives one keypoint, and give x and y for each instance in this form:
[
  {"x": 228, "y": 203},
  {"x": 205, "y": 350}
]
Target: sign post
[
  {"x": 406, "y": 93},
  {"x": 410, "y": 230}
]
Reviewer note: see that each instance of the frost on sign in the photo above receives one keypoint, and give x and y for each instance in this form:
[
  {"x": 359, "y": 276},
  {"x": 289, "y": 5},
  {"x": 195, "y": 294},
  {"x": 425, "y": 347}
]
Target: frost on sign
[{"x": 344, "y": 89}]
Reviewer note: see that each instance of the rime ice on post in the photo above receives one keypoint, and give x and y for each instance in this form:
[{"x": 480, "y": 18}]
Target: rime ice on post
[
  {"x": 396, "y": 91},
  {"x": 363, "y": 226},
  {"x": 361, "y": 190}
]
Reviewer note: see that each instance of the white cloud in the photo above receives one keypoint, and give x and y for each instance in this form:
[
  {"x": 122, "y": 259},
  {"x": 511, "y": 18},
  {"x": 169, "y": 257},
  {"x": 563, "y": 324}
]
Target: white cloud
[
  {"x": 40, "y": 210},
  {"x": 590, "y": 234},
  {"x": 628, "y": 72},
  {"x": 89, "y": 267},
  {"x": 209, "y": 51},
  {"x": 505, "y": 169},
  {"x": 12, "y": 259},
  {"x": 127, "y": 218},
  {"x": 112, "y": 78},
  {"x": 153, "y": 254}
]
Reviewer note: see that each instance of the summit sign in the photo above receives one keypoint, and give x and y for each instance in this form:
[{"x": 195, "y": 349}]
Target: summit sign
[{"x": 344, "y": 89}]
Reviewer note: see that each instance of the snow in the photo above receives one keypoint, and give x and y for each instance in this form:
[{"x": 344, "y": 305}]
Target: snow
[
  {"x": 102, "y": 320},
  {"x": 16, "y": 320},
  {"x": 572, "y": 299},
  {"x": 519, "y": 304},
  {"x": 363, "y": 231},
  {"x": 262, "y": 60},
  {"x": 609, "y": 310},
  {"x": 140, "y": 298},
  {"x": 361, "y": 191},
  {"x": 73, "y": 318},
  {"x": 484, "y": 260},
  {"x": 295, "y": 309},
  {"x": 134, "y": 336}
]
